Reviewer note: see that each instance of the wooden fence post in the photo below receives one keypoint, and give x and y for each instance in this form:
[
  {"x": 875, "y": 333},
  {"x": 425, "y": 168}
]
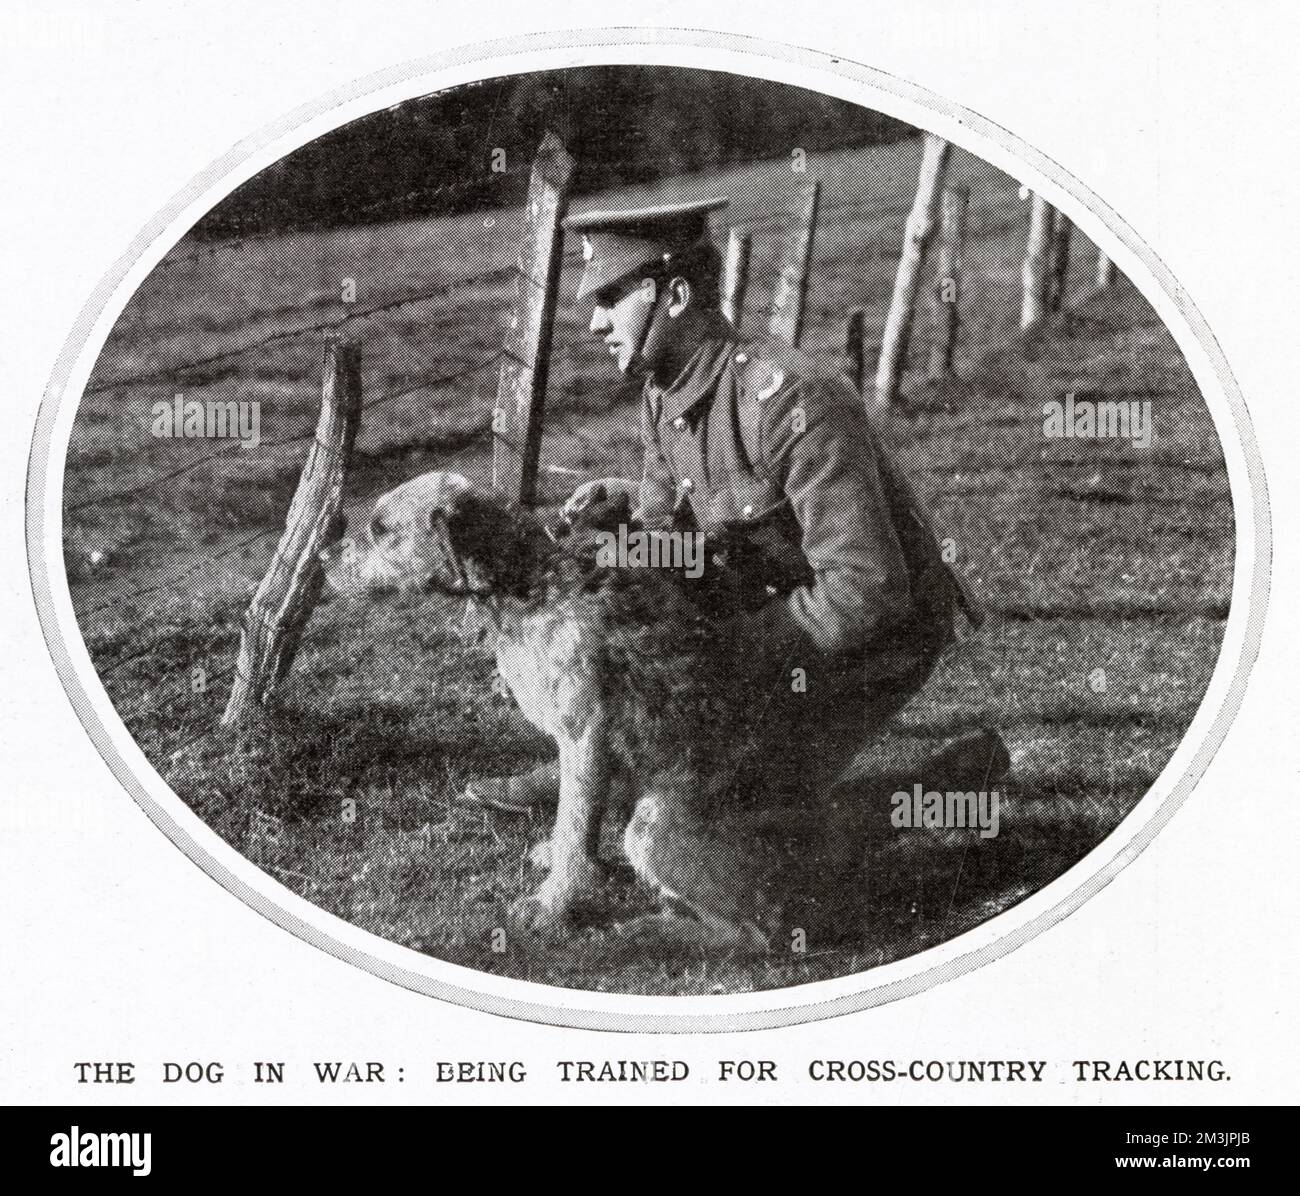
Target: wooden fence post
[
  {"x": 791, "y": 294},
  {"x": 274, "y": 621},
  {"x": 1106, "y": 271},
  {"x": 946, "y": 295},
  {"x": 1057, "y": 275},
  {"x": 1033, "y": 273},
  {"x": 902, "y": 307},
  {"x": 735, "y": 276},
  {"x": 854, "y": 349},
  {"x": 521, "y": 391}
]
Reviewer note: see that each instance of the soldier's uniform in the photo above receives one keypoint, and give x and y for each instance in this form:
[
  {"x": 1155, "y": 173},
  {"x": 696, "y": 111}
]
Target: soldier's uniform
[{"x": 764, "y": 440}]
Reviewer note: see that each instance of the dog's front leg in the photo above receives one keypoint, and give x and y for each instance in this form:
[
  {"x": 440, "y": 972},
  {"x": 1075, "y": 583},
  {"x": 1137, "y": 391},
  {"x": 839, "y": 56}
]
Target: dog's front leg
[{"x": 574, "y": 874}]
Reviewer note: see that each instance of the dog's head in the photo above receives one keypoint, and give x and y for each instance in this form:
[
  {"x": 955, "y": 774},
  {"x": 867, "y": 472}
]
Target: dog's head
[{"x": 435, "y": 532}]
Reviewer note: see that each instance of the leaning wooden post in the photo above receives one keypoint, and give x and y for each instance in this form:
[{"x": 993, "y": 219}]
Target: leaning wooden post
[
  {"x": 1106, "y": 271},
  {"x": 274, "y": 621},
  {"x": 946, "y": 295},
  {"x": 854, "y": 331},
  {"x": 1033, "y": 273},
  {"x": 1060, "y": 260},
  {"x": 735, "y": 276},
  {"x": 902, "y": 307},
  {"x": 791, "y": 295},
  {"x": 521, "y": 391}
]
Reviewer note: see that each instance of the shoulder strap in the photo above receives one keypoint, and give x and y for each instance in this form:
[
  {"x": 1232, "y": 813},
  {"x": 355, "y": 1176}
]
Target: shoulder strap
[
  {"x": 652, "y": 397},
  {"x": 749, "y": 413},
  {"x": 758, "y": 379}
]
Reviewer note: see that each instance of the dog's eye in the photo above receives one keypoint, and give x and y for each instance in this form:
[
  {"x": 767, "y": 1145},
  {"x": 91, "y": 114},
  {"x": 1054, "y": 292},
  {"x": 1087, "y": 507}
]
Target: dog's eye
[{"x": 378, "y": 526}]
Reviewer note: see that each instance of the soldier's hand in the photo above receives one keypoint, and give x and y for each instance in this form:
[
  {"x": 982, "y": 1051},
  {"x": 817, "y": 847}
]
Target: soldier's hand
[{"x": 603, "y": 503}]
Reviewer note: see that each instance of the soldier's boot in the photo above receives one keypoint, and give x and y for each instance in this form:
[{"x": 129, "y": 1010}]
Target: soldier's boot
[
  {"x": 538, "y": 790},
  {"x": 858, "y": 812},
  {"x": 974, "y": 761}
]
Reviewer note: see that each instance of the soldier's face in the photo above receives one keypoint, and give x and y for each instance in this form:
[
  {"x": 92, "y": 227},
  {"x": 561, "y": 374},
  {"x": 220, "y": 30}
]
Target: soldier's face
[{"x": 621, "y": 318}]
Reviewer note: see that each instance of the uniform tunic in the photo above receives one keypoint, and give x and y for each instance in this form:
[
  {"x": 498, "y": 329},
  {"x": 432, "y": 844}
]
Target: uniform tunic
[{"x": 765, "y": 438}]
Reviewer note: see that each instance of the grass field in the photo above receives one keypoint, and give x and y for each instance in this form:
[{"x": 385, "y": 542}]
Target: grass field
[{"x": 1088, "y": 555}]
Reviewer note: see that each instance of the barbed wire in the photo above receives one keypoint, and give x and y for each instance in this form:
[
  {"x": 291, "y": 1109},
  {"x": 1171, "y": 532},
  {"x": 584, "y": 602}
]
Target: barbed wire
[
  {"x": 359, "y": 215},
  {"x": 443, "y": 190},
  {"x": 153, "y": 483},
  {"x": 206, "y": 563},
  {"x": 497, "y": 274},
  {"x": 265, "y": 533},
  {"x": 487, "y": 431},
  {"x": 140, "y": 654}
]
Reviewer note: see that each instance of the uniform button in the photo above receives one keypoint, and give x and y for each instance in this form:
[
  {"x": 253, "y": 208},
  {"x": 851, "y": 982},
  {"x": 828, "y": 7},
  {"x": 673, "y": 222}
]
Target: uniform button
[
  {"x": 680, "y": 422},
  {"x": 748, "y": 512},
  {"x": 687, "y": 485},
  {"x": 741, "y": 358}
]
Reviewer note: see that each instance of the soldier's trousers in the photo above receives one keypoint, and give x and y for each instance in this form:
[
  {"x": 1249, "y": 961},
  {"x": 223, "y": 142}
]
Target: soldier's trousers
[{"x": 828, "y": 712}]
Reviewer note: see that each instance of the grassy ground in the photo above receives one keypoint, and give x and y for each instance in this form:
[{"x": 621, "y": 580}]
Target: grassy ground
[{"x": 1088, "y": 554}]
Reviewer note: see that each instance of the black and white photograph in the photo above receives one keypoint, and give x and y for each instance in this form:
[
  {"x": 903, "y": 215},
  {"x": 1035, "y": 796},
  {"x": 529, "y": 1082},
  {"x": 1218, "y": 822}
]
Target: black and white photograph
[
  {"x": 648, "y": 530},
  {"x": 563, "y": 562}
]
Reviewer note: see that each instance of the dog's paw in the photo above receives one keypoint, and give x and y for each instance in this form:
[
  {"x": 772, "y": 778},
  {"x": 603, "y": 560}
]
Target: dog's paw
[
  {"x": 558, "y": 898},
  {"x": 594, "y": 875},
  {"x": 540, "y": 914}
]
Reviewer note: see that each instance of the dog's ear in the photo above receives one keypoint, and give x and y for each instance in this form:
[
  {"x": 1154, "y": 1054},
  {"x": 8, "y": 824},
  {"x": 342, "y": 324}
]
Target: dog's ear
[
  {"x": 489, "y": 537},
  {"x": 471, "y": 521}
]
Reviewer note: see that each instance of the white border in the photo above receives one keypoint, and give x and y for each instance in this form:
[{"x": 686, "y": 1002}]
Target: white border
[{"x": 577, "y": 1008}]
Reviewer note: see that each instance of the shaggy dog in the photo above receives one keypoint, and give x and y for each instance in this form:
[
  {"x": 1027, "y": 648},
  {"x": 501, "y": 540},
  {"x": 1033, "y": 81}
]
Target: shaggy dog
[{"x": 632, "y": 673}]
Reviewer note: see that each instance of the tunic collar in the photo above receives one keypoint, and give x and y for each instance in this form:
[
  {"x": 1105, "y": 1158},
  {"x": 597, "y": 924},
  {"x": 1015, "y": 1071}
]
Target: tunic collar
[{"x": 699, "y": 379}]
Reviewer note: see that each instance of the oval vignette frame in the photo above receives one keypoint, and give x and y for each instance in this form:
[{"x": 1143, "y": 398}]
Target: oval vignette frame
[{"x": 531, "y": 1001}]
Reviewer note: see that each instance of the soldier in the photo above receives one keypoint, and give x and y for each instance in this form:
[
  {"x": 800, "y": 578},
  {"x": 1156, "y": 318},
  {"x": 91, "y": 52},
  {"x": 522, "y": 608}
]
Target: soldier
[{"x": 765, "y": 440}]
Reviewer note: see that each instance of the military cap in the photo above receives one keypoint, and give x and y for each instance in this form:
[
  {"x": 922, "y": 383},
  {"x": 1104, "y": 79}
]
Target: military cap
[{"x": 616, "y": 245}]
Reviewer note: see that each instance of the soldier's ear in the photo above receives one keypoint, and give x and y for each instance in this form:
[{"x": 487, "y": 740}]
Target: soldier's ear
[{"x": 680, "y": 294}]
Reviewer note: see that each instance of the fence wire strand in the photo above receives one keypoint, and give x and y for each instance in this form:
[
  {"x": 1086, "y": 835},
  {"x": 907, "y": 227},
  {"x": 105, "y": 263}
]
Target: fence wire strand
[
  {"x": 153, "y": 483},
  {"x": 169, "y": 373}
]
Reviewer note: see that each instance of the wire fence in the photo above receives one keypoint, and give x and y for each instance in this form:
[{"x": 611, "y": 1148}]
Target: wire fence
[
  {"x": 437, "y": 383},
  {"x": 177, "y": 370},
  {"x": 777, "y": 223},
  {"x": 171, "y": 372},
  {"x": 400, "y": 206}
]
